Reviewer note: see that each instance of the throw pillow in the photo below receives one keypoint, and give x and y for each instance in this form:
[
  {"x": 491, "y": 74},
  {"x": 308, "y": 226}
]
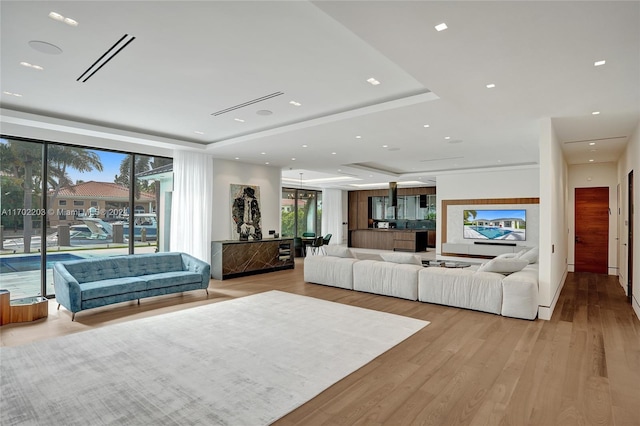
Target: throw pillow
[
  {"x": 507, "y": 256},
  {"x": 401, "y": 258},
  {"x": 531, "y": 256},
  {"x": 503, "y": 266},
  {"x": 338, "y": 251}
]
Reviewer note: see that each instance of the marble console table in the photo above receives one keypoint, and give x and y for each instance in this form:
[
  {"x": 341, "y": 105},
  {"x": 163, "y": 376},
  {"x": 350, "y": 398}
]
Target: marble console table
[{"x": 232, "y": 258}]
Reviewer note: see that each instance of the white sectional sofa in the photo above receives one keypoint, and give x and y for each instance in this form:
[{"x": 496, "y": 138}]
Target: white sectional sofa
[
  {"x": 387, "y": 278},
  {"x": 482, "y": 288}
]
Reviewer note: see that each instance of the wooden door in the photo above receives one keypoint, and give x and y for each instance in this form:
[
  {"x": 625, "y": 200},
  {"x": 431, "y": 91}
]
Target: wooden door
[{"x": 592, "y": 230}]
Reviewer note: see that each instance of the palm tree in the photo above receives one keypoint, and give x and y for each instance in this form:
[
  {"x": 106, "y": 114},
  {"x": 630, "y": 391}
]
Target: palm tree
[
  {"x": 143, "y": 163},
  {"x": 20, "y": 159},
  {"x": 62, "y": 158},
  {"x": 469, "y": 213}
]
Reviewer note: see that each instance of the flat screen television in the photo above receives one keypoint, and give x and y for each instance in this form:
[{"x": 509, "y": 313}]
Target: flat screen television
[{"x": 497, "y": 225}]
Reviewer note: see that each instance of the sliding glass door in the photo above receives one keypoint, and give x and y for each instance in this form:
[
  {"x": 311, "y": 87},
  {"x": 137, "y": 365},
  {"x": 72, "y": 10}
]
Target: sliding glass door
[
  {"x": 301, "y": 212},
  {"x": 96, "y": 203},
  {"x": 21, "y": 166}
]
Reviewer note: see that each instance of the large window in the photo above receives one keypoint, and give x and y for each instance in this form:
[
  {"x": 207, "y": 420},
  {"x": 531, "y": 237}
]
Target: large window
[
  {"x": 84, "y": 211},
  {"x": 301, "y": 212}
]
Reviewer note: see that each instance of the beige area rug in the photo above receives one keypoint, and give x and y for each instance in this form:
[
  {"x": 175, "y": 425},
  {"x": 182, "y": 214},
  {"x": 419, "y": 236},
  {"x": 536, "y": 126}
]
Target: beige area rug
[{"x": 247, "y": 361}]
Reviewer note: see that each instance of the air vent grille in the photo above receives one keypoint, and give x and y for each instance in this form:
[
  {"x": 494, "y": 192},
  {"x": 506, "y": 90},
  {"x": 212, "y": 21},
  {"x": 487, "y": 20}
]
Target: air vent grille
[
  {"x": 124, "y": 41},
  {"x": 244, "y": 104}
]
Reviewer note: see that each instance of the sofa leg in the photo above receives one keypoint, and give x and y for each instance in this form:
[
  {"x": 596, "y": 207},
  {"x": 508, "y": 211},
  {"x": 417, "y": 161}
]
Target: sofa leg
[
  {"x": 138, "y": 301},
  {"x": 207, "y": 290},
  {"x": 73, "y": 316},
  {"x": 58, "y": 306}
]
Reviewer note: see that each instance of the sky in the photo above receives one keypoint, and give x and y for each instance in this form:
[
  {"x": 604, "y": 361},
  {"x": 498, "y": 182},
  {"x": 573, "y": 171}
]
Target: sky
[
  {"x": 501, "y": 214},
  {"x": 110, "y": 165}
]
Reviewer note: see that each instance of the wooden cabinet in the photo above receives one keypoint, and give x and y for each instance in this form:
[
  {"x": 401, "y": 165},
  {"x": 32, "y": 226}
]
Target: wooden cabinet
[
  {"x": 389, "y": 239},
  {"x": 238, "y": 258}
]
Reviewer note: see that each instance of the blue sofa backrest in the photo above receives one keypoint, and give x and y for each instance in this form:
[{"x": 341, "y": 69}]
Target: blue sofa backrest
[{"x": 106, "y": 268}]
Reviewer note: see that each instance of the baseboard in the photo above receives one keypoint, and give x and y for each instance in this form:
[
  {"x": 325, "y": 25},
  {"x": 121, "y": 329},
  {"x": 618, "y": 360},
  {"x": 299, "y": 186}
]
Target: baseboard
[
  {"x": 636, "y": 306},
  {"x": 545, "y": 312}
]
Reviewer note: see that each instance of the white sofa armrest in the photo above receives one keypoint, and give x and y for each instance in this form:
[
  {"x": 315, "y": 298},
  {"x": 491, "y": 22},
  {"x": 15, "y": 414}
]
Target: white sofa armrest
[{"x": 520, "y": 294}]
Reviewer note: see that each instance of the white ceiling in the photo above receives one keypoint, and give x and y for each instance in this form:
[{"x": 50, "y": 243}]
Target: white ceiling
[{"x": 191, "y": 59}]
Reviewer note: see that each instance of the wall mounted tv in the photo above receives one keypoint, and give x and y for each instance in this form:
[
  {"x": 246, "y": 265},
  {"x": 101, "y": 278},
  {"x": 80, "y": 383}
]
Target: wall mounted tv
[{"x": 507, "y": 225}]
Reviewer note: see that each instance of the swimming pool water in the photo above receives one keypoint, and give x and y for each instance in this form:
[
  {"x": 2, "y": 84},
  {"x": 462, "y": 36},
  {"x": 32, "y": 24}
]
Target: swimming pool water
[
  {"x": 491, "y": 232},
  {"x": 32, "y": 263}
]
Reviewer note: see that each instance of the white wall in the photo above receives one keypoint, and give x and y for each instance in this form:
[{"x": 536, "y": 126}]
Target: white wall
[
  {"x": 630, "y": 160},
  {"x": 553, "y": 218},
  {"x": 591, "y": 176},
  {"x": 226, "y": 173},
  {"x": 516, "y": 183}
]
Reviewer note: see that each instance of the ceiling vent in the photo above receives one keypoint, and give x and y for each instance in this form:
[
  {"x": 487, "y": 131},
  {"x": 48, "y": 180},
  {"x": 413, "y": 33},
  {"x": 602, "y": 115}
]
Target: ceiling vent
[
  {"x": 251, "y": 102},
  {"x": 106, "y": 57},
  {"x": 596, "y": 140}
]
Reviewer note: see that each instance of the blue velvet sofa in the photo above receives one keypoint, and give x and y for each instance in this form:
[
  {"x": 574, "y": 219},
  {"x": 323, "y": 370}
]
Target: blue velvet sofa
[{"x": 89, "y": 283}]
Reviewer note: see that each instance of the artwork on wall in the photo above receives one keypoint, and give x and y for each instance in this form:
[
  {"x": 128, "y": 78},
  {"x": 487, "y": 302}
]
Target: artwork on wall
[{"x": 245, "y": 212}]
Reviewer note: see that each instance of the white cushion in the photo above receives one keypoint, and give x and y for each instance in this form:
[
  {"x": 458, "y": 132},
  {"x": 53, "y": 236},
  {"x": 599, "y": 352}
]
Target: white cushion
[
  {"x": 386, "y": 278},
  {"x": 401, "y": 258},
  {"x": 464, "y": 288},
  {"x": 507, "y": 256},
  {"x": 338, "y": 251},
  {"x": 503, "y": 266},
  {"x": 329, "y": 270},
  {"x": 531, "y": 256}
]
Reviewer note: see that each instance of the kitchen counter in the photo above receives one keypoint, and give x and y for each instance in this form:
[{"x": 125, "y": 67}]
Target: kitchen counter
[{"x": 413, "y": 240}]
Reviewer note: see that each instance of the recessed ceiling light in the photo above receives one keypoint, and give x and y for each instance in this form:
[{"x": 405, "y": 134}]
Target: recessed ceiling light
[
  {"x": 339, "y": 170},
  {"x": 304, "y": 146},
  {"x": 333, "y": 153},
  {"x": 264, "y": 112},
  {"x": 591, "y": 160},
  {"x": 28, "y": 65},
  {"x": 60, "y": 18},
  {"x": 441, "y": 27},
  {"x": 293, "y": 158},
  {"x": 447, "y": 137},
  {"x": 239, "y": 120},
  {"x": 490, "y": 86},
  {"x": 18, "y": 95},
  {"x": 373, "y": 81},
  {"x": 263, "y": 153},
  {"x": 56, "y": 16},
  {"x": 237, "y": 158},
  {"x": 598, "y": 63},
  {"x": 295, "y": 103},
  {"x": 385, "y": 146},
  {"x": 426, "y": 125},
  {"x": 358, "y": 137},
  {"x": 266, "y": 162},
  {"x": 595, "y": 113},
  {"x": 198, "y": 132},
  {"x": 592, "y": 143}
]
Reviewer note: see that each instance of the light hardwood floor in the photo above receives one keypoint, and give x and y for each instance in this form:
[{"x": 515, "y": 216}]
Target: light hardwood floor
[{"x": 466, "y": 367}]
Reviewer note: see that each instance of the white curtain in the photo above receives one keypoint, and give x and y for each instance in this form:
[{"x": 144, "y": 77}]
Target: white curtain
[
  {"x": 191, "y": 216},
  {"x": 332, "y": 214}
]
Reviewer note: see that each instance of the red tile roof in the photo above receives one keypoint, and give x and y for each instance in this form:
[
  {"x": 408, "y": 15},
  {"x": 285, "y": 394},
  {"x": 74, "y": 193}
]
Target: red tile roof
[{"x": 94, "y": 189}]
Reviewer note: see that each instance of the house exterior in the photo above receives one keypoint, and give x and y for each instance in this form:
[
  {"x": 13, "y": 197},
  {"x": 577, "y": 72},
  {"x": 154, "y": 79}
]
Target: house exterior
[{"x": 105, "y": 200}]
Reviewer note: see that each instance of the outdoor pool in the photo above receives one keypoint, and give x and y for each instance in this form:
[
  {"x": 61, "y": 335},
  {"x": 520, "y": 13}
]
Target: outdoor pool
[
  {"x": 491, "y": 232},
  {"x": 32, "y": 263}
]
